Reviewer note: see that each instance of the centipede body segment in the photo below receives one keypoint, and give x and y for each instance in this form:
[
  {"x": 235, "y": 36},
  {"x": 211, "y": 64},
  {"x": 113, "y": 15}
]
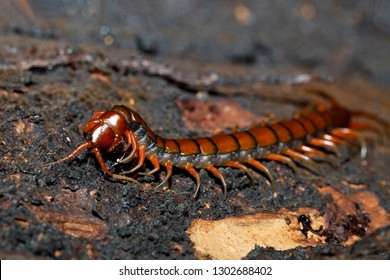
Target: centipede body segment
[{"x": 307, "y": 138}]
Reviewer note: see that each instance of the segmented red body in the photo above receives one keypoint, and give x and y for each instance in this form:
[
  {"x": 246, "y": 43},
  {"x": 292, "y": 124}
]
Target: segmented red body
[{"x": 305, "y": 138}]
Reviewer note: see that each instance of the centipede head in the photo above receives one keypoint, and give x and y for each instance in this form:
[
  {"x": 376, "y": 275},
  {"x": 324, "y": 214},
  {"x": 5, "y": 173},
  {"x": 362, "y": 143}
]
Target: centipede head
[
  {"x": 105, "y": 131},
  {"x": 104, "y": 134}
]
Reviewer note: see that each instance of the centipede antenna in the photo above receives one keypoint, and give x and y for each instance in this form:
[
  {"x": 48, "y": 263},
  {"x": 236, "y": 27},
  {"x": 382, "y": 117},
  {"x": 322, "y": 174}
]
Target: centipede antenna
[
  {"x": 126, "y": 178},
  {"x": 80, "y": 148}
]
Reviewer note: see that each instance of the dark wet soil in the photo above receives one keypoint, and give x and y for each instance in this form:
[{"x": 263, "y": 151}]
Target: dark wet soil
[{"x": 61, "y": 63}]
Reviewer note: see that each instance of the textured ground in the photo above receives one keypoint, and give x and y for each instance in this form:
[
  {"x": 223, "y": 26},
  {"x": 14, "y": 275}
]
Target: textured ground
[{"x": 189, "y": 69}]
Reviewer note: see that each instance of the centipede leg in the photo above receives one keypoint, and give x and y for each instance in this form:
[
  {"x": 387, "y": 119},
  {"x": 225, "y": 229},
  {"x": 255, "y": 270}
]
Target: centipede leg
[
  {"x": 238, "y": 165},
  {"x": 260, "y": 166},
  {"x": 194, "y": 174},
  {"x": 371, "y": 117},
  {"x": 377, "y": 130},
  {"x": 364, "y": 126},
  {"x": 216, "y": 173},
  {"x": 323, "y": 94},
  {"x": 156, "y": 166},
  {"x": 304, "y": 160},
  {"x": 101, "y": 161},
  {"x": 168, "y": 167},
  {"x": 335, "y": 140},
  {"x": 350, "y": 134},
  {"x": 283, "y": 159},
  {"x": 141, "y": 160},
  {"x": 360, "y": 126},
  {"x": 316, "y": 154},
  {"x": 326, "y": 144},
  {"x": 105, "y": 169},
  {"x": 131, "y": 141},
  {"x": 385, "y": 127}
]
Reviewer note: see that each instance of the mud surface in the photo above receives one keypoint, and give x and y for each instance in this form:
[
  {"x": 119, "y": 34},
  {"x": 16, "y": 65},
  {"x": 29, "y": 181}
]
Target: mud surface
[{"x": 167, "y": 61}]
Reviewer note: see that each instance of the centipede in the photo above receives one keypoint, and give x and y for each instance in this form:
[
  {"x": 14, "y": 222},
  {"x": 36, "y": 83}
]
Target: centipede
[{"x": 306, "y": 139}]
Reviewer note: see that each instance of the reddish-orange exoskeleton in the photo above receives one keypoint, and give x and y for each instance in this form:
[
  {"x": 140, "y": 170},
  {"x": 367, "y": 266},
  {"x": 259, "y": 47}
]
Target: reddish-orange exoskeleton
[{"x": 309, "y": 137}]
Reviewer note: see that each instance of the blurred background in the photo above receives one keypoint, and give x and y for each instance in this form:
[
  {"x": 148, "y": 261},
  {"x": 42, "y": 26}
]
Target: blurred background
[{"x": 340, "y": 37}]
